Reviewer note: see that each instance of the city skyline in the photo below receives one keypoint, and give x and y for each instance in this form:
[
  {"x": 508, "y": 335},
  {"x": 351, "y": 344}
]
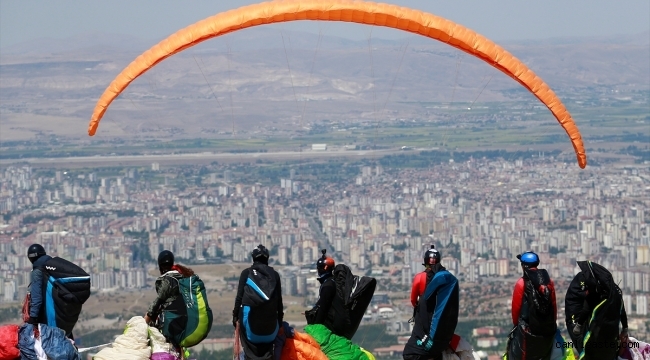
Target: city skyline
[{"x": 376, "y": 219}]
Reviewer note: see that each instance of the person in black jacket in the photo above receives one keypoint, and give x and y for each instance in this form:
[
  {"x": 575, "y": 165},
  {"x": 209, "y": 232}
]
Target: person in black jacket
[
  {"x": 57, "y": 291},
  {"x": 576, "y": 311},
  {"x": 326, "y": 292},
  {"x": 37, "y": 256},
  {"x": 258, "y": 308},
  {"x": 328, "y": 309},
  {"x": 437, "y": 314},
  {"x": 167, "y": 292},
  {"x": 587, "y": 290}
]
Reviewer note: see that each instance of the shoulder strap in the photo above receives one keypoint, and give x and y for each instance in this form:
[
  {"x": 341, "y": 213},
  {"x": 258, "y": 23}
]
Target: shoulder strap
[{"x": 170, "y": 275}]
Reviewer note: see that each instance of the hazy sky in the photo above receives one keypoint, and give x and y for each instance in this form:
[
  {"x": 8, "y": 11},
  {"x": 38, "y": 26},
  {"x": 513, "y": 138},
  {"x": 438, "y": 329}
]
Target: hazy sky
[{"x": 22, "y": 21}]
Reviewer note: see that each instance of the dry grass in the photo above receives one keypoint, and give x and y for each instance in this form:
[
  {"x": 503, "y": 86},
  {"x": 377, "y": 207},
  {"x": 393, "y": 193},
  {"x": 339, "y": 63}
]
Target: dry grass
[
  {"x": 24, "y": 126},
  {"x": 103, "y": 308},
  {"x": 221, "y": 295}
]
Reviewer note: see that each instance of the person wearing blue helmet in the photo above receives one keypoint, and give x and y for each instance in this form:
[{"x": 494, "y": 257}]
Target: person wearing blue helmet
[{"x": 534, "y": 312}]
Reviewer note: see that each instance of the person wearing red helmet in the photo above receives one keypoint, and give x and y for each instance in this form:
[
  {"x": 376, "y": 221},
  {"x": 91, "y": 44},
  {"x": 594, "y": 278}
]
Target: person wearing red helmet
[
  {"x": 327, "y": 299},
  {"x": 534, "y": 312}
]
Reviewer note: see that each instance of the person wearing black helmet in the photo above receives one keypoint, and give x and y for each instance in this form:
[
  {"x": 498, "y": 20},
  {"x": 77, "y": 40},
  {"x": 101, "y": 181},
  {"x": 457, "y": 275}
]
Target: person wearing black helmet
[
  {"x": 327, "y": 298},
  {"x": 593, "y": 294},
  {"x": 57, "y": 291},
  {"x": 436, "y": 316},
  {"x": 258, "y": 310},
  {"x": 167, "y": 289},
  {"x": 431, "y": 257},
  {"x": 37, "y": 256},
  {"x": 534, "y": 312}
]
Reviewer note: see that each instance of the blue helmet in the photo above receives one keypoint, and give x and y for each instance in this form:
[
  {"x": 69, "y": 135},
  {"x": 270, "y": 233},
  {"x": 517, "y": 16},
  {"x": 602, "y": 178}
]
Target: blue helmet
[{"x": 529, "y": 259}]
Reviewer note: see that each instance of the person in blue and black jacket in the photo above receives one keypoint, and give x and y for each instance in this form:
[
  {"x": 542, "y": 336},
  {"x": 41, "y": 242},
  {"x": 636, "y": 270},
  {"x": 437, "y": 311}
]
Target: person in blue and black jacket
[
  {"x": 37, "y": 256},
  {"x": 437, "y": 314},
  {"x": 57, "y": 290},
  {"x": 258, "y": 308}
]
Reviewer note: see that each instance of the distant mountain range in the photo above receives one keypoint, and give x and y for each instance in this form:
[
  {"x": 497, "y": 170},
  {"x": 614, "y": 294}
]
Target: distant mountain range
[{"x": 266, "y": 75}]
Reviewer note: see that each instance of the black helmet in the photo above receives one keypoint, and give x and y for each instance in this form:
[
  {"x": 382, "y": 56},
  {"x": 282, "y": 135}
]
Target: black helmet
[
  {"x": 430, "y": 254},
  {"x": 260, "y": 254},
  {"x": 34, "y": 252},
  {"x": 165, "y": 259},
  {"x": 529, "y": 259},
  {"x": 325, "y": 263}
]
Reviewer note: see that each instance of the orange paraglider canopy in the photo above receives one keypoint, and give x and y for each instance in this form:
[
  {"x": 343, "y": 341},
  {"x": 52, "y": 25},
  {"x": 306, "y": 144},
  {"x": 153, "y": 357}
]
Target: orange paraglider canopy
[{"x": 361, "y": 12}]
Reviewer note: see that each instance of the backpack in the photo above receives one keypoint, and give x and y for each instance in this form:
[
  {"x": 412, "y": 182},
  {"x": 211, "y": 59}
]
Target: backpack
[
  {"x": 66, "y": 289},
  {"x": 356, "y": 293},
  {"x": 540, "y": 316},
  {"x": 188, "y": 319},
  {"x": 260, "y": 304},
  {"x": 603, "y": 323}
]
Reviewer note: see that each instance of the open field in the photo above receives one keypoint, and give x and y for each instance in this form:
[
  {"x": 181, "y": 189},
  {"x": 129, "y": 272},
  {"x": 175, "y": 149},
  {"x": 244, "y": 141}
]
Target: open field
[
  {"x": 193, "y": 158},
  {"x": 511, "y": 126},
  {"x": 609, "y": 133}
]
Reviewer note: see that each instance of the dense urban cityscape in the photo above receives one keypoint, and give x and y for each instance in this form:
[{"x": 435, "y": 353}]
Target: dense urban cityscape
[
  {"x": 379, "y": 220},
  {"x": 327, "y": 180}
]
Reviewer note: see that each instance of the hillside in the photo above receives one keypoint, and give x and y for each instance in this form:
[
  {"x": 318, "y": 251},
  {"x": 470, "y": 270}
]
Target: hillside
[{"x": 272, "y": 79}]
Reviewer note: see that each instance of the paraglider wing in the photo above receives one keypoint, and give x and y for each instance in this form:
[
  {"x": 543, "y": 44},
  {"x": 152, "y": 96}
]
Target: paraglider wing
[
  {"x": 369, "y": 13},
  {"x": 302, "y": 347}
]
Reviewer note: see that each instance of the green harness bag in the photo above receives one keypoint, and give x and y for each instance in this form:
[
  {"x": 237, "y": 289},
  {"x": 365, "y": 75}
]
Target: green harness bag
[{"x": 188, "y": 319}]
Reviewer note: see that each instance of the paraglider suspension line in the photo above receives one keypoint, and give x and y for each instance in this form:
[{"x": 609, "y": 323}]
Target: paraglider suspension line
[
  {"x": 286, "y": 56},
  {"x": 206, "y": 81},
  {"x": 311, "y": 71},
  {"x": 374, "y": 90},
  {"x": 232, "y": 111}
]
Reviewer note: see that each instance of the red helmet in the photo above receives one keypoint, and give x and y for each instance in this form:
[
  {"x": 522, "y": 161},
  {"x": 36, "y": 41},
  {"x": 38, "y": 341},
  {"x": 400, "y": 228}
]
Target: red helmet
[{"x": 325, "y": 263}]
